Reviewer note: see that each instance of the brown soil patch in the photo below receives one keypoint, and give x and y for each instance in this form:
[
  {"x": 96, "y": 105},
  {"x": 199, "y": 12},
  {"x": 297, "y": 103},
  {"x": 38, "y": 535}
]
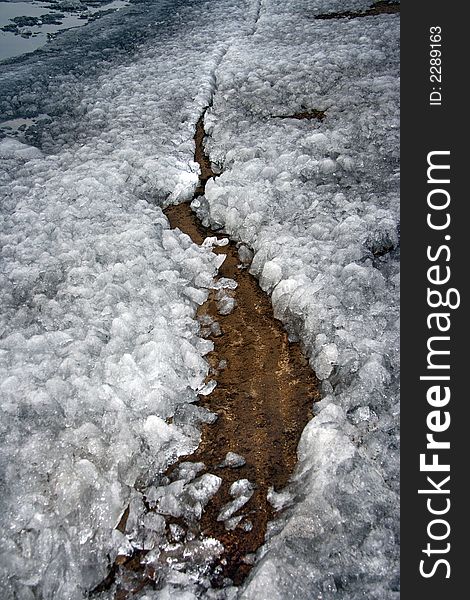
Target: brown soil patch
[
  {"x": 319, "y": 115},
  {"x": 383, "y": 7}
]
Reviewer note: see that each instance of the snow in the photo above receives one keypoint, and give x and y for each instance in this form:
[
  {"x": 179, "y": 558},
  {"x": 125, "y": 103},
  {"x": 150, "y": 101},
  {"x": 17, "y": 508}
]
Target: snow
[{"x": 101, "y": 354}]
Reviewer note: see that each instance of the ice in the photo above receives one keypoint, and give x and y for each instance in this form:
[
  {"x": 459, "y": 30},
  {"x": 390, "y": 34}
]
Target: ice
[
  {"x": 215, "y": 329},
  {"x": 245, "y": 254},
  {"x": 210, "y": 326},
  {"x": 182, "y": 564},
  {"x": 241, "y": 487},
  {"x": 101, "y": 357},
  {"x": 207, "y": 388},
  {"x": 279, "y": 500},
  {"x": 186, "y": 497},
  {"x": 242, "y": 490},
  {"x": 203, "y": 488},
  {"x": 225, "y": 283},
  {"x": 233, "y": 460},
  {"x": 154, "y": 522},
  {"x": 187, "y": 471},
  {"x": 231, "y": 507},
  {"x": 325, "y": 361},
  {"x": 226, "y": 303},
  {"x": 212, "y": 241},
  {"x": 13, "y": 149},
  {"x": 189, "y": 415},
  {"x": 271, "y": 275},
  {"x": 231, "y": 524}
]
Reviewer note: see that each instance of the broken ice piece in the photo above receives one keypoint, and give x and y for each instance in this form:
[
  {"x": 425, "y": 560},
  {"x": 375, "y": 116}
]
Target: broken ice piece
[
  {"x": 279, "y": 500},
  {"x": 121, "y": 544},
  {"x": 151, "y": 557},
  {"x": 249, "y": 559},
  {"x": 209, "y": 242},
  {"x": 247, "y": 525},
  {"x": 215, "y": 329},
  {"x": 176, "y": 532},
  {"x": 242, "y": 487},
  {"x": 203, "y": 488},
  {"x": 245, "y": 254},
  {"x": 154, "y": 522},
  {"x": 205, "y": 319},
  {"x": 169, "y": 502},
  {"x": 208, "y": 388},
  {"x": 152, "y": 496},
  {"x": 242, "y": 490},
  {"x": 230, "y": 524},
  {"x": 187, "y": 470},
  {"x": 189, "y": 414},
  {"x": 231, "y": 507},
  {"x": 225, "y": 283},
  {"x": 233, "y": 460},
  {"x": 225, "y": 303}
]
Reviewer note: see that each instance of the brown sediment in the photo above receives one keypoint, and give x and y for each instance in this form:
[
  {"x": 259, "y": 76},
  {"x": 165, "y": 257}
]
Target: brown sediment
[
  {"x": 319, "y": 115},
  {"x": 383, "y": 7},
  {"x": 264, "y": 398},
  {"x": 201, "y": 157}
]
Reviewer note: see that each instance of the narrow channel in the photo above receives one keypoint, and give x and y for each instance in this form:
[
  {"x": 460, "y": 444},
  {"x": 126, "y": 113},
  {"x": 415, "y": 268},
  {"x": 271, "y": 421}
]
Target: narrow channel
[
  {"x": 263, "y": 399},
  {"x": 264, "y": 394}
]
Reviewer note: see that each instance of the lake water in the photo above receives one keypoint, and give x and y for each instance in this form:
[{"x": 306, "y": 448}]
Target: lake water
[{"x": 15, "y": 44}]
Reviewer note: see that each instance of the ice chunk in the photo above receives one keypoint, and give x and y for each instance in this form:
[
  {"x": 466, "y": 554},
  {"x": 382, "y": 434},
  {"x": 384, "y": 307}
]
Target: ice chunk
[
  {"x": 225, "y": 283},
  {"x": 203, "y": 488},
  {"x": 325, "y": 361},
  {"x": 279, "y": 500},
  {"x": 196, "y": 295},
  {"x": 241, "y": 487},
  {"x": 233, "y": 460},
  {"x": 11, "y": 148},
  {"x": 207, "y": 388},
  {"x": 242, "y": 490},
  {"x": 187, "y": 471},
  {"x": 231, "y": 507},
  {"x": 271, "y": 275},
  {"x": 225, "y": 303},
  {"x": 154, "y": 522},
  {"x": 210, "y": 242},
  {"x": 245, "y": 254},
  {"x": 231, "y": 524}
]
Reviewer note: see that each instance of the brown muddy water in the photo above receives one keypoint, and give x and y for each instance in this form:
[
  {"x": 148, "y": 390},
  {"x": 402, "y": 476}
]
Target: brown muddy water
[{"x": 263, "y": 399}]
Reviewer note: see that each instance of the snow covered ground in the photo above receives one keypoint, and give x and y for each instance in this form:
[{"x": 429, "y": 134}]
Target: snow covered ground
[{"x": 99, "y": 344}]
